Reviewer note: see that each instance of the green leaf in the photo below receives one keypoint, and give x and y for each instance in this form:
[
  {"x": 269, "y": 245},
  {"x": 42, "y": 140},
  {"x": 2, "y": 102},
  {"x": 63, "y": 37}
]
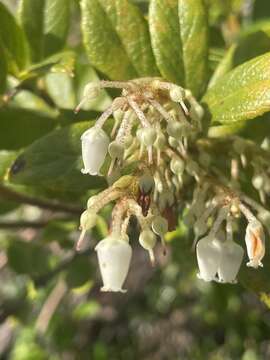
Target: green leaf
[
  {"x": 166, "y": 41},
  {"x": 56, "y": 25},
  {"x": 255, "y": 129},
  {"x": 20, "y": 127},
  {"x": 180, "y": 41},
  {"x": 116, "y": 39},
  {"x": 6, "y": 159},
  {"x": 31, "y": 19},
  {"x": 67, "y": 91},
  {"x": 241, "y": 51},
  {"x": 60, "y": 89},
  {"x": 194, "y": 36},
  {"x": 27, "y": 258},
  {"x": 46, "y": 24},
  {"x": 242, "y": 94},
  {"x": 13, "y": 44},
  {"x": 3, "y": 70},
  {"x": 54, "y": 163},
  {"x": 79, "y": 272},
  {"x": 261, "y": 9}
]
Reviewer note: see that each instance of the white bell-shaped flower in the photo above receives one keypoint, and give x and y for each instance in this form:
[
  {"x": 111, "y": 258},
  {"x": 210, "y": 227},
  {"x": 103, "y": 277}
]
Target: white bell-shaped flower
[
  {"x": 95, "y": 144},
  {"x": 255, "y": 242},
  {"x": 114, "y": 255},
  {"x": 230, "y": 261},
  {"x": 208, "y": 257}
]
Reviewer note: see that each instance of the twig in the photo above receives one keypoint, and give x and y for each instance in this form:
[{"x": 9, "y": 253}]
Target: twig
[
  {"x": 23, "y": 224},
  {"x": 54, "y": 205},
  {"x": 50, "y": 306}
]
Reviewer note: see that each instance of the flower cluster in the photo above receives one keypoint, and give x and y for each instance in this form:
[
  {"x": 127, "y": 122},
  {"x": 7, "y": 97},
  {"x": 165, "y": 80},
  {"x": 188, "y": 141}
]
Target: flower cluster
[{"x": 152, "y": 157}]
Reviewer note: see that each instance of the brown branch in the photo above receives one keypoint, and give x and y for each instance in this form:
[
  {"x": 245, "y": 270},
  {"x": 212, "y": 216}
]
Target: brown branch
[
  {"x": 54, "y": 205},
  {"x": 23, "y": 224},
  {"x": 50, "y": 306}
]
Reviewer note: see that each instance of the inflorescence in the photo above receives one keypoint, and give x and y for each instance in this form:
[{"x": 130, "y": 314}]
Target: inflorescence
[{"x": 160, "y": 165}]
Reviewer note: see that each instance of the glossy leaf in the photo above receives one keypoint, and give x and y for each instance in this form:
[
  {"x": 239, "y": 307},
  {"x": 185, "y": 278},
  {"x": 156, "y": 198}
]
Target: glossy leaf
[
  {"x": 56, "y": 25},
  {"x": 12, "y": 40},
  {"x": 166, "y": 40},
  {"x": 46, "y": 24},
  {"x": 31, "y": 18},
  {"x": 242, "y": 94},
  {"x": 116, "y": 39},
  {"x": 179, "y": 34},
  {"x": 20, "y": 127},
  {"x": 54, "y": 163},
  {"x": 28, "y": 258},
  {"x": 3, "y": 70},
  {"x": 194, "y": 37},
  {"x": 241, "y": 51}
]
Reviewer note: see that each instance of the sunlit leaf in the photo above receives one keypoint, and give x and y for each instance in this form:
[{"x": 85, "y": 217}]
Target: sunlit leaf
[{"x": 116, "y": 39}]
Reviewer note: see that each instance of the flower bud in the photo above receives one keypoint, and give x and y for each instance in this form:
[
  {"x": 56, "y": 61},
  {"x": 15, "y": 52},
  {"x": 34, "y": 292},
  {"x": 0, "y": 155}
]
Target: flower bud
[
  {"x": 177, "y": 94},
  {"x": 114, "y": 255},
  {"x": 116, "y": 150},
  {"x": 255, "y": 242},
  {"x": 148, "y": 241},
  {"x": 173, "y": 142},
  {"x": 88, "y": 219},
  {"x": 160, "y": 225},
  {"x": 258, "y": 181},
  {"x": 175, "y": 129},
  {"x": 230, "y": 262},
  {"x": 148, "y": 136},
  {"x": 95, "y": 144},
  {"x": 208, "y": 257},
  {"x": 91, "y": 201},
  {"x": 146, "y": 183},
  {"x": 92, "y": 90},
  {"x": 160, "y": 142},
  {"x": 118, "y": 115},
  {"x": 177, "y": 165}
]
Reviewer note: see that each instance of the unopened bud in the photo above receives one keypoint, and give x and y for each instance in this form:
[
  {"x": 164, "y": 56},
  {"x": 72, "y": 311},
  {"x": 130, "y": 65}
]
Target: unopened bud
[
  {"x": 160, "y": 225},
  {"x": 177, "y": 165},
  {"x": 148, "y": 136},
  {"x": 88, "y": 219},
  {"x": 116, "y": 150},
  {"x": 175, "y": 129},
  {"x": 177, "y": 94},
  {"x": 148, "y": 241},
  {"x": 146, "y": 183}
]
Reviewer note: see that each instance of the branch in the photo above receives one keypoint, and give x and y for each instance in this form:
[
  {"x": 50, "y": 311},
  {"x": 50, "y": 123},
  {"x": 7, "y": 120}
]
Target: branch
[
  {"x": 54, "y": 205},
  {"x": 23, "y": 224},
  {"x": 50, "y": 306}
]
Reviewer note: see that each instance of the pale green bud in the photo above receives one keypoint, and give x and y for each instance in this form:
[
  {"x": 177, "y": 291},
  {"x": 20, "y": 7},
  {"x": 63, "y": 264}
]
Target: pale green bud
[
  {"x": 177, "y": 94},
  {"x": 160, "y": 142},
  {"x": 147, "y": 239},
  {"x": 88, "y": 219},
  {"x": 175, "y": 129},
  {"x": 91, "y": 201},
  {"x": 177, "y": 165},
  {"x": 160, "y": 225},
  {"x": 173, "y": 142},
  {"x": 148, "y": 136},
  {"x": 258, "y": 181},
  {"x": 116, "y": 150},
  {"x": 92, "y": 90},
  {"x": 146, "y": 183}
]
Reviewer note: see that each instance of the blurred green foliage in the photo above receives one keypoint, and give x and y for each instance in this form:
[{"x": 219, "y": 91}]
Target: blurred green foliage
[{"x": 49, "y": 50}]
